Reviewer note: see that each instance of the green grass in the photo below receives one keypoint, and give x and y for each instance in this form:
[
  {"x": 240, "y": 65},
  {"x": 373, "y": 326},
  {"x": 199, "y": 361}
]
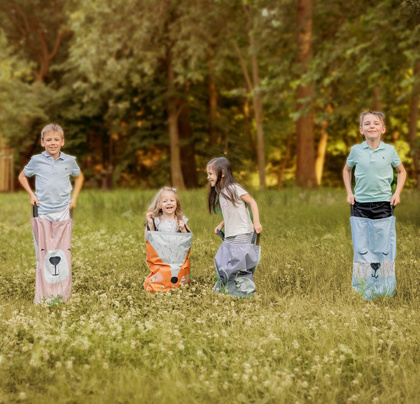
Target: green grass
[{"x": 305, "y": 336}]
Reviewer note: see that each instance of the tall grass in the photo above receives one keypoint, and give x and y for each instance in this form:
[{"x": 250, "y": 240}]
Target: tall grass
[{"x": 305, "y": 336}]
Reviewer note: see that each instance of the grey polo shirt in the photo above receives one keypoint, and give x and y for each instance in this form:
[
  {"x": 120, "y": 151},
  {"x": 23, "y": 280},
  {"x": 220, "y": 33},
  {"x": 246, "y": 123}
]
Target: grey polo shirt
[
  {"x": 52, "y": 181},
  {"x": 374, "y": 171}
]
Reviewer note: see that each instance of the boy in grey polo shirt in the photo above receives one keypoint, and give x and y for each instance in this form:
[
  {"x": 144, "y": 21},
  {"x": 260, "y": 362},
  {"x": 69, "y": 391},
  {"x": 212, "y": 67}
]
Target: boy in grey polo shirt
[
  {"x": 52, "y": 169},
  {"x": 374, "y": 162}
]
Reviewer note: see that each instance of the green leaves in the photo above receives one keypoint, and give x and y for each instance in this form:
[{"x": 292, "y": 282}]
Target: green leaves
[{"x": 111, "y": 65}]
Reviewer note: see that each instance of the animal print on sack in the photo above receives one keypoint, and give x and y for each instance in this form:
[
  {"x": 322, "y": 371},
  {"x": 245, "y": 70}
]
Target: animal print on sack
[{"x": 374, "y": 243}]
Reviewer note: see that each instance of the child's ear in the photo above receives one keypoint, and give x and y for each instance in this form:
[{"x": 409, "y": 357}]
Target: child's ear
[{"x": 223, "y": 173}]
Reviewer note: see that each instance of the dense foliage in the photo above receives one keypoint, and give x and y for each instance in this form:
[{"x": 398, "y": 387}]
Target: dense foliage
[{"x": 130, "y": 80}]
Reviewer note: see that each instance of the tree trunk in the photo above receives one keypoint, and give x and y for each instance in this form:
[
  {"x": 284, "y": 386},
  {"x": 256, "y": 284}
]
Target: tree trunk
[
  {"x": 188, "y": 165},
  {"x": 106, "y": 146},
  {"x": 35, "y": 35},
  {"x": 412, "y": 126},
  {"x": 305, "y": 170},
  {"x": 213, "y": 136},
  {"x": 258, "y": 110},
  {"x": 285, "y": 161},
  {"x": 322, "y": 148},
  {"x": 253, "y": 86},
  {"x": 175, "y": 151},
  {"x": 248, "y": 127},
  {"x": 376, "y": 99}
]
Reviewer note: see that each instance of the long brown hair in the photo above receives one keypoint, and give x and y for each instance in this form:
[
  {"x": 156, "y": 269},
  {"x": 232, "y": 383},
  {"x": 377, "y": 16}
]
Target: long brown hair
[
  {"x": 155, "y": 205},
  {"x": 221, "y": 165}
]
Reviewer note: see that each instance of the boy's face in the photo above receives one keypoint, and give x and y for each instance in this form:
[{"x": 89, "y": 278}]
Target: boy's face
[
  {"x": 53, "y": 142},
  {"x": 372, "y": 127}
]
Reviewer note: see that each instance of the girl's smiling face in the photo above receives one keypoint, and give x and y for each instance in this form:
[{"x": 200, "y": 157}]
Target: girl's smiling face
[
  {"x": 168, "y": 203},
  {"x": 212, "y": 176}
]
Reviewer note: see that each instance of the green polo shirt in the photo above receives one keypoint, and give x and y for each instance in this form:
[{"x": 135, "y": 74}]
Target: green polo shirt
[{"x": 374, "y": 171}]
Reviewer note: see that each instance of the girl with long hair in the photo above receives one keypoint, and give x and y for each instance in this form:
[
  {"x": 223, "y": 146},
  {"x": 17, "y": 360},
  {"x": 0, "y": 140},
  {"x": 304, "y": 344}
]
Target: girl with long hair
[{"x": 232, "y": 199}]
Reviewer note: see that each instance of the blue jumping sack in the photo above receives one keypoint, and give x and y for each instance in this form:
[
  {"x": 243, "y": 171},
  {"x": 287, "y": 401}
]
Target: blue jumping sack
[{"x": 374, "y": 244}]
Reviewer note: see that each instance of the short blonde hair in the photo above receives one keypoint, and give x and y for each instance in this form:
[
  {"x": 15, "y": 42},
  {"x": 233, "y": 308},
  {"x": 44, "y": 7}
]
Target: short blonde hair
[
  {"x": 52, "y": 127},
  {"x": 155, "y": 205},
  {"x": 380, "y": 115}
]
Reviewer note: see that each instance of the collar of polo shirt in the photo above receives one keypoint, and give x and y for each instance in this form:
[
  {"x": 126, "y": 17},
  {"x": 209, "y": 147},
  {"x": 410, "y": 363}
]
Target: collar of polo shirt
[
  {"x": 60, "y": 157},
  {"x": 366, "y": 146}
]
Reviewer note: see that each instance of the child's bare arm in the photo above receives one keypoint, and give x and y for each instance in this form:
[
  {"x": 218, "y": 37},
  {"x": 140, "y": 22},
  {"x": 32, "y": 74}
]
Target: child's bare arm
[
  {"x": 220, "y": 226},
  {"x": 25, "y": 184},
  {"x": 78, "y": 183},
  {"x": 347, "y": 183},
  {"x": 254, "y": 209},
  {"x": 149, "y": 220},
  {"x": 402, "y": 175}
]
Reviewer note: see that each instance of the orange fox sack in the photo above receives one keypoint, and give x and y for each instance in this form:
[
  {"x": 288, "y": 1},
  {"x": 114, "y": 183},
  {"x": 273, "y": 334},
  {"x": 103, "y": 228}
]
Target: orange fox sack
[{"x": 167, "y": 257}]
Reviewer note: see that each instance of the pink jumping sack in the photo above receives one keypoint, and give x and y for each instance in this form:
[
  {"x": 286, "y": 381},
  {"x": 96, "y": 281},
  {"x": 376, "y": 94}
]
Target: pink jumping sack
[{"x": 53, "y": 272}]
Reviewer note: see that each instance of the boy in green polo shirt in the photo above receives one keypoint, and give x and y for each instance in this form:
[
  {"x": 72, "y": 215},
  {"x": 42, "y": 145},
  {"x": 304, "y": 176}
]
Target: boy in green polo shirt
[
  {"x": 372, "y": 221},
  {"x": 374, "y": 162}
]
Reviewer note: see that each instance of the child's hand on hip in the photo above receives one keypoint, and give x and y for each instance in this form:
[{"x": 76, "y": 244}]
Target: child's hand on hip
[
  {"x": 34, "y": 200},
  {"x": 258, "y": 227},
  {"x": 181, "y": 225},
  {"x": 219, "y": 227},
  {"x": 395, "y": 200}
]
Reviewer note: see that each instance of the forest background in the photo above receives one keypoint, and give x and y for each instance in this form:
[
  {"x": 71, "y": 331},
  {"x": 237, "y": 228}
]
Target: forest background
[{"x": 149, "y": 91}]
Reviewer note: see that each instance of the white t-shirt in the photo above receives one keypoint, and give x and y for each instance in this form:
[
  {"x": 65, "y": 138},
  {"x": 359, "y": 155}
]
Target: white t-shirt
[
  {"x": 170, "y": 225},
  {"x": 237, "y": 219}
]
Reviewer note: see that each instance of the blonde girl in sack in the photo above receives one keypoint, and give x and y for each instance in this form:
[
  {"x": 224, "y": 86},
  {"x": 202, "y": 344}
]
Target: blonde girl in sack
[
  {"x": 165, "y": 213},
  {"x": 168, "y": 243}
]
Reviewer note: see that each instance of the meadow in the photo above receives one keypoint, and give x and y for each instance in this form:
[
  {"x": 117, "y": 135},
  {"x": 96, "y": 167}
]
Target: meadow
[{"x": 305, "y": 337}]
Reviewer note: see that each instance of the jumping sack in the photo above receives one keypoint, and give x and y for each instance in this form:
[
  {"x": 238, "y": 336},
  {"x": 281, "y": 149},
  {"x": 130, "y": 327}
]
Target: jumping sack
[
  {"x": 374, "y": 243},
  {"x": 53, "y": 272},
  {"x": 235, "y": 267},
  {"x": 167, "y": 257}
]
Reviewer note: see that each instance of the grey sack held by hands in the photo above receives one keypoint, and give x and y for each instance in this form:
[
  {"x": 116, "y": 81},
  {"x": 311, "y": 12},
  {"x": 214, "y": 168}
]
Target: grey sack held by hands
[{"x": 235, "y": 267}]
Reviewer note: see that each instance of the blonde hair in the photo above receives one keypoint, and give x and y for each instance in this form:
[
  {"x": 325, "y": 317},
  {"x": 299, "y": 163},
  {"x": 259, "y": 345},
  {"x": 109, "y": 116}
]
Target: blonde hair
[
  {"x": 380, "y": 115},
  {"x": 155, "y": 205},
  {"x": 52, "y": 127}
]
